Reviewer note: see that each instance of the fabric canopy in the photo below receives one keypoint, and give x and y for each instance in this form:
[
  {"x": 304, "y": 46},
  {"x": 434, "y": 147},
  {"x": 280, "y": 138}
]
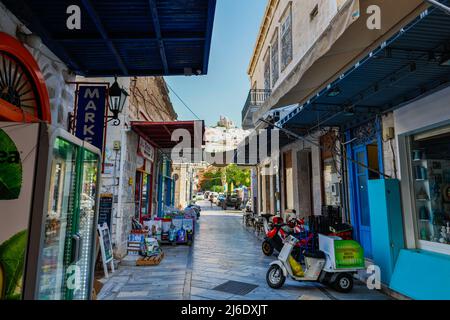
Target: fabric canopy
[
  {"x": 166, "y": 135},
  {"x": 346, "y": 40}
]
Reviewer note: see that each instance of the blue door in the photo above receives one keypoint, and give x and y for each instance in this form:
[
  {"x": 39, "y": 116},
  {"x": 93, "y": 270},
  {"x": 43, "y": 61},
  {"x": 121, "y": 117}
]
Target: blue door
[{"x": 362, "y": 213}]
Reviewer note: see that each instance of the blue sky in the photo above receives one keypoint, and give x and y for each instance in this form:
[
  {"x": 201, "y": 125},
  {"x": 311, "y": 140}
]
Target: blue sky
[{"x": 224, "y": 90}]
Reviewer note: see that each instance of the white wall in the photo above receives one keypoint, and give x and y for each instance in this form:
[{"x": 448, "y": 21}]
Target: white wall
[{"x": 304, "y": 33}]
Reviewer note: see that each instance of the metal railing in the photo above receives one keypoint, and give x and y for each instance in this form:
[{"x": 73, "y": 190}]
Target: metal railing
[{"x": 255, "y": 98}]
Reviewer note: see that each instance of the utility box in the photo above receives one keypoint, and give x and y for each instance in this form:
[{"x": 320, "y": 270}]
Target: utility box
[{"x": 386, "y": 222}]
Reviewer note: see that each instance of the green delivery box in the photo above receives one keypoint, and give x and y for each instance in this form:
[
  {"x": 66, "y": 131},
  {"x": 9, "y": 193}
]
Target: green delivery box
[{"x": 348, "y": 254}]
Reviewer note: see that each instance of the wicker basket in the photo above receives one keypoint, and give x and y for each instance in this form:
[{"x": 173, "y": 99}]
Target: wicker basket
[{"x": 150, "y": 261}]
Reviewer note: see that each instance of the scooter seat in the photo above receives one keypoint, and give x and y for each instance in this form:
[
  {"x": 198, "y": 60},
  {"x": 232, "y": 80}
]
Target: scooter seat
[{"x": 315, "y": 255}]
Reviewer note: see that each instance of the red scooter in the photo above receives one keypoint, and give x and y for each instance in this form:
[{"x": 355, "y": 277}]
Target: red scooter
[{"x": 275, "y": 237}]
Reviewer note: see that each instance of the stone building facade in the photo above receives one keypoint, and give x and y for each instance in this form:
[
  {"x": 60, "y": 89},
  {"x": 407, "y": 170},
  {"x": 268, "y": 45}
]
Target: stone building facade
[{"x": 124, "y": 168}]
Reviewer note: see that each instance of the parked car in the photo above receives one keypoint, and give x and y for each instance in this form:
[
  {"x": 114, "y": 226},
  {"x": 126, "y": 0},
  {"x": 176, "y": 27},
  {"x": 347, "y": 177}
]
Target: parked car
[
  {"x": 232, "y": 200},
  {"x": 199, "y": 196}
]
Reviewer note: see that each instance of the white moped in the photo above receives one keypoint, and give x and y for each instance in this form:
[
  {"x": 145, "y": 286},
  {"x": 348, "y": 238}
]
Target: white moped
[{"x": 319, "y": 266}]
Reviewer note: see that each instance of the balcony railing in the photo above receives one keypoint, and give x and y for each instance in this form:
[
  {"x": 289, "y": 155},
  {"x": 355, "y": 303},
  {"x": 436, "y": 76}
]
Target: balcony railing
[{"x": 255, "y": 98}]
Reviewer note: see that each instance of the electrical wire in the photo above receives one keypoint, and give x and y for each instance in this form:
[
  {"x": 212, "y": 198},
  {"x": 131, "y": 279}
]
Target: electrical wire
[
  {"x": 321, "y": 148},
  {"x": 184, "y": 103}
]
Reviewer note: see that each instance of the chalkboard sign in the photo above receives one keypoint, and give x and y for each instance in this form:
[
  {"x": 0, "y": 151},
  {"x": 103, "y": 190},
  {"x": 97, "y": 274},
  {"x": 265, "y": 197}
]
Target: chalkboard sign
[
  {"x": 105, "y": 209},
  {"x": 105, "y": 247}
]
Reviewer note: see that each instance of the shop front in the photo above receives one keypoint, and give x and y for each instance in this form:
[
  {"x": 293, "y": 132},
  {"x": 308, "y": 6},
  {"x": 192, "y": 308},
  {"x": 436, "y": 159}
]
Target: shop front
[
  {"x": 48, "y": 191},
  {"x": 166, "y": 186},
  {"x": 144, "y": 180},
  {"x": 424, "y": 155},
  {"x": 159, "y": 137},
  {"x": 396, "y": 143}
]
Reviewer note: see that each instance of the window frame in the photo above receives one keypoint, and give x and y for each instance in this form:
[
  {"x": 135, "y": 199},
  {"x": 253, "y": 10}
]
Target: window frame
[
  {"x": 267, "y": 62},
  {"x": 405, "y": 150},
  {"x": 275, "y": 44},
  {"x": 287, "y": 13}
]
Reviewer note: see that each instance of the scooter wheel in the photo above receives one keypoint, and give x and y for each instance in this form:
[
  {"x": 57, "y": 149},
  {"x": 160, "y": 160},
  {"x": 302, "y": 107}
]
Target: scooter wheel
[
  {"x": 267, "y": 248},
  {"x": 343, "y": 283},
  {"x": 275, "y": 277}
]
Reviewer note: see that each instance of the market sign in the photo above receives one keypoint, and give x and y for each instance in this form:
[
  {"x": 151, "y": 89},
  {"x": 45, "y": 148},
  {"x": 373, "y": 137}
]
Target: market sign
[
  {"x": 146, "y": 150},
  {"x": 90, "y": 114},
  {"x": 348, "y": 254}
]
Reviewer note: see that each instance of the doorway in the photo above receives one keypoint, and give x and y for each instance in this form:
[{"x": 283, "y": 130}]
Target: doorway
[{"x": 368, "y": 156}]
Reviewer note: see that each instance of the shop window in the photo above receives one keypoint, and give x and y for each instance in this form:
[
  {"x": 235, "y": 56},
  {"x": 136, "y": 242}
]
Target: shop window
[
  {"x": 430, "y": 160},
  {"x": 288, "y": 181},
  {"x": 275, "y": 59},
  {"x": 286, "y": 38},
  {"x": 143, "y": 195}
]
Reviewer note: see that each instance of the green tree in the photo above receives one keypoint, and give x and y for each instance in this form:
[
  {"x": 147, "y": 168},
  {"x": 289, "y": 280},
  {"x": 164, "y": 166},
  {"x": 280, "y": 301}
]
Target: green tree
[
  {"x": 239, "y": 177},
  {"x": 212, "y": 178}
]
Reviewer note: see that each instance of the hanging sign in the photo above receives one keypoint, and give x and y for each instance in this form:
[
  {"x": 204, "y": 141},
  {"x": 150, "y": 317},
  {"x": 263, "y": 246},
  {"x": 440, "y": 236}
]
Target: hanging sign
[
  {"x": 91, "y": 114},
  {"x": 146, "y": 150}
]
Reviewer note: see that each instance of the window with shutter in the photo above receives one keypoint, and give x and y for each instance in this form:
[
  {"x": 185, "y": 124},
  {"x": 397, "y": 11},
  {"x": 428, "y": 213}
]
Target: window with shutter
[
  {"x": 275, "y": 59},
  {"x": 286, "y": 39}
]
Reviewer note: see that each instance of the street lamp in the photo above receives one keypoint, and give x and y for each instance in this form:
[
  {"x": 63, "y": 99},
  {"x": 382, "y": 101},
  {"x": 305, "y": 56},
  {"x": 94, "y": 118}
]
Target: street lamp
[{"x": 117, "y": 98}]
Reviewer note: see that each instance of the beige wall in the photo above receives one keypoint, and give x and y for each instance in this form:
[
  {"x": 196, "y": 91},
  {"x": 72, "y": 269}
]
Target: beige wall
[
  {"x": 149, "y": 100},
  {"x": 304, "y": 33}
]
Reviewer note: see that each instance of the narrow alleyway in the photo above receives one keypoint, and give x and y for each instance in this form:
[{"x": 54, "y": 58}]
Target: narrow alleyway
[{"x": 223, "y": 250}]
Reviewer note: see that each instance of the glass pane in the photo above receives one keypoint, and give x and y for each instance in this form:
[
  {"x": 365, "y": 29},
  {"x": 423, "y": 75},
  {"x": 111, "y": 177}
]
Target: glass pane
[
  {"x": 275, "y": 61},
  {"x": 86, "y": 224},
  {"x": 137, "y": 195},
  {"x": 360, "y": 158},
  {"x": 286, "y": 40},
  {"x": 144, "y": 207},
  {"x": 431, "y": 175},
  {"x": 59, "y": 222},
  {"x": 364, "y": 201}
]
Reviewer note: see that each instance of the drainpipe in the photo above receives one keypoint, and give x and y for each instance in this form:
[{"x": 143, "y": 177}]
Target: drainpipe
[{"x": 122, "y": 182}]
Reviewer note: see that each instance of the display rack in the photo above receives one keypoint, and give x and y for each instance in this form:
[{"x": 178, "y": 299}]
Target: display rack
[{"x": 429, "y": 178}]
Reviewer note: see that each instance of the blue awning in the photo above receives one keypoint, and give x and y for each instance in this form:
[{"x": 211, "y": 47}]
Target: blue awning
[
  {"x": 124, "y": 38},
  {"x": 412, "y": 63}
]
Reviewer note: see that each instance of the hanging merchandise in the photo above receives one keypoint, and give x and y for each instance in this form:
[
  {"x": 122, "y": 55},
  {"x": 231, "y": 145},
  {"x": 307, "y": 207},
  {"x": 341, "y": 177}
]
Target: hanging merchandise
[{"x": 172, "y": 234}]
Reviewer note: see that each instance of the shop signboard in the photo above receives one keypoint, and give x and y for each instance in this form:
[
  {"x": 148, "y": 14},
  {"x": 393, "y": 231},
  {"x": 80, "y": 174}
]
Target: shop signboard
[
  {"x": 348, "y": 254},
  {"x": 18, "y": 145},
  {"x": 105, "y": 248},
  {"x": 146, "y": 150},
  {"x": 90, "y": 114}
]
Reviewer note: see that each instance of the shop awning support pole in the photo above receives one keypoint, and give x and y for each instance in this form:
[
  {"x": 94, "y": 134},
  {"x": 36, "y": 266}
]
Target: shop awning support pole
[{"x": 439, "y": 5}]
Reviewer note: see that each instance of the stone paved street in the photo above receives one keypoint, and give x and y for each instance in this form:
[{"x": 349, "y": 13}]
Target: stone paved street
[{"x": 223, "y": 250}]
